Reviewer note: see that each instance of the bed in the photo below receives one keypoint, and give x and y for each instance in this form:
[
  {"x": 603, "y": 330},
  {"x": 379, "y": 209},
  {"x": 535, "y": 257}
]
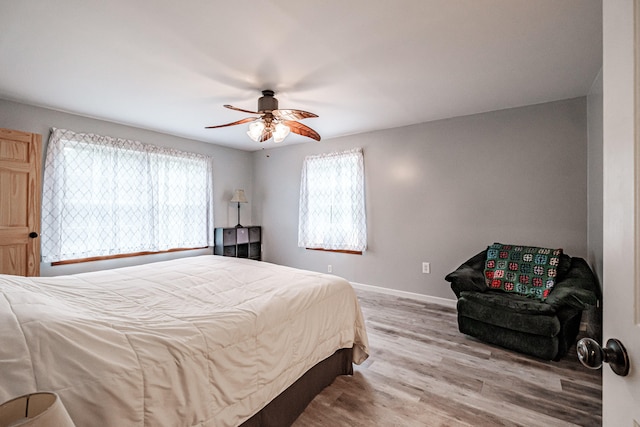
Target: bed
[{"x": 200, "y": 341}]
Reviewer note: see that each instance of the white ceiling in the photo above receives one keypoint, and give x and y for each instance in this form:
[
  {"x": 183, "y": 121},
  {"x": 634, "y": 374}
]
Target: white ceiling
[{"x": 361, "y": 65}]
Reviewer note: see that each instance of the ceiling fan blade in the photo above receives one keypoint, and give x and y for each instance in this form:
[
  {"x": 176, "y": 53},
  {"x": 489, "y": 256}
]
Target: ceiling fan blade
[
  {"x": 231, "y": 107},
  {"x": 292, "y": 114},
  {"x": 301, "y": 129},
  {"x": 266, "y": 134},
  {"x": 239, "y": 122}
]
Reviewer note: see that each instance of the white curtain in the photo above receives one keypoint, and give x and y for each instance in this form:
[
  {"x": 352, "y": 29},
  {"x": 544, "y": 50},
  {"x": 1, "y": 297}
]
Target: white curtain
[
  {"x": 106, "y": 196},
  {"x": 332, "y": 202}
]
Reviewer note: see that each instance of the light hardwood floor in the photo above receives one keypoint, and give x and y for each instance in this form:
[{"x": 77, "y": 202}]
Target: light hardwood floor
[{"x": 423, "y": 372}]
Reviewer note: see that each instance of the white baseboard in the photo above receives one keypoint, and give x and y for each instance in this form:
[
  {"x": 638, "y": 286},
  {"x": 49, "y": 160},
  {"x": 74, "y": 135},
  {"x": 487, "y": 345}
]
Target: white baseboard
[{"x": 404, "y": 294}]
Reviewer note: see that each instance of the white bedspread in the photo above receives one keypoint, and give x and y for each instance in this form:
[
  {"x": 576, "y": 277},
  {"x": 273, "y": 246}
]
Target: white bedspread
[{"x": 201, "y": 341}]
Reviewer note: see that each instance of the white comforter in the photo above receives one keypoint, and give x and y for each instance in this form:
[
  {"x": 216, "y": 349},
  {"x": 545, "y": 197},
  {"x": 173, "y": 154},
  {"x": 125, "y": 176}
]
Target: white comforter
[{"x": 202, "y": 341}]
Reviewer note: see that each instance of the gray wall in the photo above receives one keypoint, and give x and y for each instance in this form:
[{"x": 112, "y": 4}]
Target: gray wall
[
  {"x": 594, "y": 180},
  {"x": 441, "y": 192},
  {"x": 436, "y": 192},
  {"x": 232, "y": 168}
]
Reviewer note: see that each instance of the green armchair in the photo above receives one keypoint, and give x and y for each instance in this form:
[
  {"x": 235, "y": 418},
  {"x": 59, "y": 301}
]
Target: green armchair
[{"x": 544, "y": 329}]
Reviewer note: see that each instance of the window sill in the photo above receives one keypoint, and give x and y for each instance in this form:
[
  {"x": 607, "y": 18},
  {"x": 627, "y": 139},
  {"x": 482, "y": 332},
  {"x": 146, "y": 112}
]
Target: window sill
[
  {"x": 340, "y": 251},
  {"x": 102, "y": 258}
]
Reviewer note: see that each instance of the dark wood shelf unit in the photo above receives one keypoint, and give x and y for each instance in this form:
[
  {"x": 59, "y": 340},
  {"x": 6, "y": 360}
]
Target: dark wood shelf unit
[{"x": 240, "y": 242}]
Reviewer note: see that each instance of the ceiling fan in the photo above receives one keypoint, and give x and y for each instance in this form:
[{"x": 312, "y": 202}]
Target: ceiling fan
[{"x": 272, "y": 121}]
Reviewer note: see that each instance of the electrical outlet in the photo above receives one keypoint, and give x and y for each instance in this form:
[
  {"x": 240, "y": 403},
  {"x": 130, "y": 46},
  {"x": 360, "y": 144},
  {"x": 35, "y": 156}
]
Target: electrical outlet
[
  {"x": 329, "y": 268},
  {"x": 426, "y": 268}
]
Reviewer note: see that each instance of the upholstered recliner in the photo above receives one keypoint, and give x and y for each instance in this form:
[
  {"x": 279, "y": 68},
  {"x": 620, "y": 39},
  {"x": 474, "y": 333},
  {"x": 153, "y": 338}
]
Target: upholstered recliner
[{"x": 541, "y": 328}]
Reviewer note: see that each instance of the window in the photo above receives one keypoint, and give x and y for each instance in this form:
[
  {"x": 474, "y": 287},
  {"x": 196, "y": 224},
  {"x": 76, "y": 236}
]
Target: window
[
  {"x": 332, "y": 206},
  {"x": 105, "y": 196}
]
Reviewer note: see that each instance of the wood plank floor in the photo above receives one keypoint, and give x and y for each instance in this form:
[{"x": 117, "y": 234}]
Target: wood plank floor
[{"x": 423, "y": 372}]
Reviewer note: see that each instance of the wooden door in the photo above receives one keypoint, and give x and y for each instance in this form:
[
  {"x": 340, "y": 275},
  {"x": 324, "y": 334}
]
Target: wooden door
[
  {"x": 20, "y": 176},
  {"x": 621, "y": 210}
]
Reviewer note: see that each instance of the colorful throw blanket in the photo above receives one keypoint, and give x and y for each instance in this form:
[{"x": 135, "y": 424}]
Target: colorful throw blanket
[{"x": 524, "y": 270}]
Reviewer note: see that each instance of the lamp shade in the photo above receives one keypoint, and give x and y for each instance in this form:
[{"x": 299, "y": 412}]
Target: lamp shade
[
  {"x": 35, "y": 410},
  {"x": 281, "y": 132},
  {"x": 239, "y": 197},
  {"x": 255, "y": 130}
]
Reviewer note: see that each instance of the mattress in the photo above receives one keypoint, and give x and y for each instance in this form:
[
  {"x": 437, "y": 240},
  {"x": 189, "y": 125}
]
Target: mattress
[{"x": 200, "y": 341}]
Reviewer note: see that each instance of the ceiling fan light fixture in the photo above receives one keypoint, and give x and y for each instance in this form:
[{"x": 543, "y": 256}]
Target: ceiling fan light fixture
[
  {"x": 273, "y": 122},
  {"x": 280, "y": 133},
  {"x": 255, "y": 130}
]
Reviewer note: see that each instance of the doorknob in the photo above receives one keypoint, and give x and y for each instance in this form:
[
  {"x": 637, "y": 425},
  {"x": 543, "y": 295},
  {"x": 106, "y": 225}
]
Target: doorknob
[
  {"x": 592, "y": 355},
  {"x": 33, "y": 234}
]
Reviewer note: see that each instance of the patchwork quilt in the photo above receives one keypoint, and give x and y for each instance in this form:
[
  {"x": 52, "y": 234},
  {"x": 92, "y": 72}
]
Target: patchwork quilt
[{"x": 525, "y": 270}]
